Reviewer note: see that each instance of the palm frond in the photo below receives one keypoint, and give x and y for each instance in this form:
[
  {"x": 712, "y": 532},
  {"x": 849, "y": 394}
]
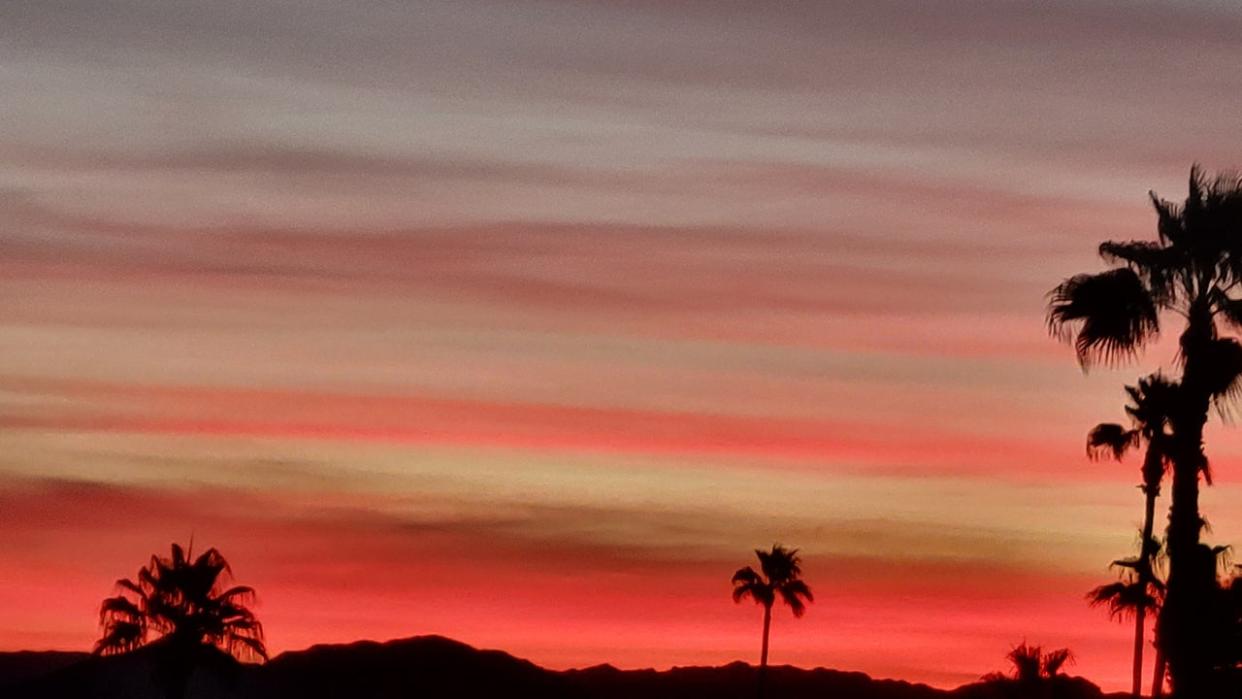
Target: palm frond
[
  {"x": 1152, "y": 402},
  {"x": 1114, "y": 313},
  {"x": 1027, "y": 661},
  {"x": 120, "y": 637},
  {"x": 1055, "y": 660},
  {"x": 779, "y": 564},
  {"x": 793, "y": 593},
  {"x": 247, "y": 648},
  {"x": 761, "y": 593},
  {"x": 1110, "y": 440},
  {"x": 1169, "y": 226},
  {"x": 1123, "y": 598},
  {"x": 120, "y": 608},
  {"x": 1155, "y": 264},
  {"x": 747, "y": 576},
  {"x": 244, "y": 593},
  {"x": 748, "y": 583}
]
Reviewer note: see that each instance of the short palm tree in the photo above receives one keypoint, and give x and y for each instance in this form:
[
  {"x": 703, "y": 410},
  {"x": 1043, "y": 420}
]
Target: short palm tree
[
  {"x": 1192, "y": 269},
  {"x": 779, "y": 575},
  {"x": 1032, "y": 665},
  {"x": 1150, "y": 410},
  {"x": 187, "y": 603}
]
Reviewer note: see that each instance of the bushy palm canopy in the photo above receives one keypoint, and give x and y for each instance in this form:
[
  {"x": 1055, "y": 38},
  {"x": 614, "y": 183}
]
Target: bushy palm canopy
[
  {"x": 1033, "y": 663},
  {"x": 1192, "y": 269},
  {"x": 186, "y": 601},
  {"x": 1124, "y": 597},
  {"x": 1138, "y": 588},
  {"x": 778, "y": 576},
  {"x": 1151, "y": 407}
]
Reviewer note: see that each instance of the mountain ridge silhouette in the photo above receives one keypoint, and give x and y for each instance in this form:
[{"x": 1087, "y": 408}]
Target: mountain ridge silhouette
[{"x": 431, "y": 666}]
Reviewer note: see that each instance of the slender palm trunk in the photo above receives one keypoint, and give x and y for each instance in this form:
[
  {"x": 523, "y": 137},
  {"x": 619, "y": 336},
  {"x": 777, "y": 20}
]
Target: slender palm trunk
[
  {"x": 1151, "y": 490},
  {"x": 1181, "y": 635},
  {"x": 1157, "y": 679},
  {"x": 1140, "y": 618},
  {"x": 763, "y": 654}
]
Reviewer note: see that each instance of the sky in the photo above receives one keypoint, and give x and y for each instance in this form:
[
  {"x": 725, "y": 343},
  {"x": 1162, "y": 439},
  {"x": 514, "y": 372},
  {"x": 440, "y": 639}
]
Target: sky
[{"x": 525, "y": 322}]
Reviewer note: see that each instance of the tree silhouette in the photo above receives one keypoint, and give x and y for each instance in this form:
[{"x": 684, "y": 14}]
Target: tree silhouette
[
  {"x": 1032, "y": 665},
  {"x": 1151, "y": 405},
  {"x": 188, "y": 605},
  {"x": 1138, "y": 593},
  {"x": 779, "y": 575},
  {"x": 1033, "y": 673},
  {"x": 1191, "y": 269}
]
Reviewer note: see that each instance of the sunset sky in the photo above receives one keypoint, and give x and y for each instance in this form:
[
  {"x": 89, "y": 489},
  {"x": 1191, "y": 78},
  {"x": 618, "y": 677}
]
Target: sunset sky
[{"x": 525, "y": 322}]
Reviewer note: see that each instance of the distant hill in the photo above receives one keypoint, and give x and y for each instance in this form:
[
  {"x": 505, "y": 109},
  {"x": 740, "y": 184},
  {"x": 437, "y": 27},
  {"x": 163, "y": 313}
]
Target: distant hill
[
  {"x": 26, "y": 665},
  {"x": 738, "y": 681},
  {"x": 432, "y": 666},
  {"x": 424, "y": 666}
]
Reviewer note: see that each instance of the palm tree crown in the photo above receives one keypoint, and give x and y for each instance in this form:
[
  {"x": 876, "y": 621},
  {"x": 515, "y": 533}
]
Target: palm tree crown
[
  {"x": 1151, "y": 407},
  {"x": 1191, "y": 269},
  {"x": 1139, "y": 591},
  {"x": 186, "y": 601},
  {"x": 779, "y": 577},
  {"x": 1034, "y": 664}
]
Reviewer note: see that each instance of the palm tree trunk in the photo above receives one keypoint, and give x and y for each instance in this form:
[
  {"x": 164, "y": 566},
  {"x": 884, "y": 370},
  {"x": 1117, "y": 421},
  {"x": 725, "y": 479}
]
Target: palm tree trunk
[
  {"x": 1140, "y": 617},
  {"x": 1182, "y": 622},
  {"x": 763, "y": 654},
  {"x": 1157, "y": 680},
  {"x": 1150, "y": 490}
]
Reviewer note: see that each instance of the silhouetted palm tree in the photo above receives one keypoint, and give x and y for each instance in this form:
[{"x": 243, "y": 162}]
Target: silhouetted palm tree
[
  {"x": 1032, "y": 663},
  {"x": 1139, "y": 592},
  {"x": 1031, "y": 667},
  {"x": 1151, "y": 405},
  {"x": 187, "y": 603},
  {"x": 1191, "y": 269},
  {"x": 778, "y": 576}
]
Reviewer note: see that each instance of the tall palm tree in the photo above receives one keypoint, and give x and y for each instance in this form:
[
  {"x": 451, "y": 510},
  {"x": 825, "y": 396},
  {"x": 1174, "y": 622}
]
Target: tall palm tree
[
  {"x": 1191, "y": 269},
  {"x": 187, "y": 603},
  {"x": 779, "y": 575},
  {"x": 1151, "y": 405}
]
